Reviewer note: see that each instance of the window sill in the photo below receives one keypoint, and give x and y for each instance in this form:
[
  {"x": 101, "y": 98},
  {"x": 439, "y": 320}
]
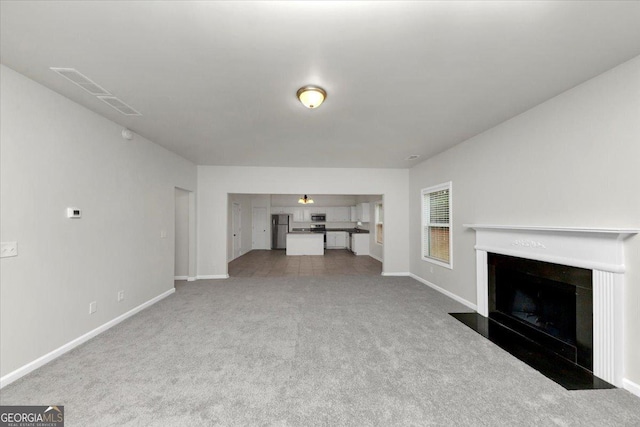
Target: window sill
[{"x": 440, "y": 263}]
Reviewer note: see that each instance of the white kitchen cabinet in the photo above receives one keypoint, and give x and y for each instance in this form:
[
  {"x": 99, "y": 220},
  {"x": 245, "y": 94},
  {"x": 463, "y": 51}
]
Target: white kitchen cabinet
[
  {"x": 281, "y": 210},
  {"x": 362, "y": 212},
  {"x": 338, "y": 214},
  {"x": 330, "y": 213},
  {"x": 337, "y": 239},
  {"x": 353, "y": 213},
  {"x": 301, "y": 214},
  {"x": 342, "y": 214},
  {"x": 360, "y": 243},
  {"x": 305, "y": 244}
]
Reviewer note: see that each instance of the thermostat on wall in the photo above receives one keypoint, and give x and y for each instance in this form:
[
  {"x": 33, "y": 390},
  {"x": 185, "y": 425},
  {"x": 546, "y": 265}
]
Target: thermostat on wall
[{"x": 74, "y": 213}]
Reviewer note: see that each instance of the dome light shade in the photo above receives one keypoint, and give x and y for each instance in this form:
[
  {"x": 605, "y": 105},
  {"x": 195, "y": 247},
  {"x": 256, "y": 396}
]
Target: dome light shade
[{"x": 311, "y": 96}]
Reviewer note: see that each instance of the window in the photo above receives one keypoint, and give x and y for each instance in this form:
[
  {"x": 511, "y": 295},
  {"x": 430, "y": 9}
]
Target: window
[
  {"x": 436, "y": 225},
  {"x": 379, "y": 217}
]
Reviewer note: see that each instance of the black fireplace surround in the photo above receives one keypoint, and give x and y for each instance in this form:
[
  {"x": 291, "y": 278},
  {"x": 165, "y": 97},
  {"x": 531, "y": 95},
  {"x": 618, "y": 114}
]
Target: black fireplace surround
[{"x": 549, "y": 304}]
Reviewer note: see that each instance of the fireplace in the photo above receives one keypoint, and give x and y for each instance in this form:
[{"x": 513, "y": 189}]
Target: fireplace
[
  {"x": 548, "y": 303},
  {"x": 550, "y": 277}
]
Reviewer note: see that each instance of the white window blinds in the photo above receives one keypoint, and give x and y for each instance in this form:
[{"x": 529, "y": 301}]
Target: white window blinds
[{"x": 436, "y": 223}]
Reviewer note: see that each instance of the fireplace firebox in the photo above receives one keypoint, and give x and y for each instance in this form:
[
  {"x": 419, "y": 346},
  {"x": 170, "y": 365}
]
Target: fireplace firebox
[{"x": 550, "y": 304}]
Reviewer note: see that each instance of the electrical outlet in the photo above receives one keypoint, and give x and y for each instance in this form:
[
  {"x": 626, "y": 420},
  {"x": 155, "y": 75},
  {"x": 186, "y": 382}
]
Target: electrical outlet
[
  {"x": 163, "y": 234},
  {"x": 120, "y": 296},
  {"x": 9, "y": 249},
  {"x": 93, "y": 307}
]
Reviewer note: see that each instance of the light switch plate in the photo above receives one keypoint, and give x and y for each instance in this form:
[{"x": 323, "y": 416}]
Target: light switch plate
[{"x": 8, "y": 249}]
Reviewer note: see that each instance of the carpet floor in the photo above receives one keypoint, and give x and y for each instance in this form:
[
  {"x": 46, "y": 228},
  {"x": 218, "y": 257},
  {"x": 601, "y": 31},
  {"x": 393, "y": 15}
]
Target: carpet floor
[{"x": 307, "y": 351}]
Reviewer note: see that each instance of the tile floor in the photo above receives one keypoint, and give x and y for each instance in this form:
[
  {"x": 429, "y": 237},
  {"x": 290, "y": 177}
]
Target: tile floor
[{"x": 276, "y": 263}]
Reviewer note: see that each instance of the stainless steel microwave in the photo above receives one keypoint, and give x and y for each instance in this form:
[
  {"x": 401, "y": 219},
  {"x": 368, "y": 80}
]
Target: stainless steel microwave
[{"x": 318, "y": 217}]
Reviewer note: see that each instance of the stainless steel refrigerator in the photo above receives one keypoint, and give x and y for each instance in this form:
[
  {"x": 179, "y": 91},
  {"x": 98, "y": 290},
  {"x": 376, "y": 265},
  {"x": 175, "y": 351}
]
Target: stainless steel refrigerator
[{"x": 279, "y": 230}]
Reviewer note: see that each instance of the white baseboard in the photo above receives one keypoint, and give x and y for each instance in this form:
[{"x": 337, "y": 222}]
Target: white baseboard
[
  {"x": 191, "y": 279},
  {"x": 445, "y": 292},
  {"x": 213, "y": 276},
  {"x": 397, "y": 273},
  {"x": 631, "y": 387},
  {"x": 32, "y": 366},
  {"x": 375, "y": 257},
  {"x": 180, "y": 277}
]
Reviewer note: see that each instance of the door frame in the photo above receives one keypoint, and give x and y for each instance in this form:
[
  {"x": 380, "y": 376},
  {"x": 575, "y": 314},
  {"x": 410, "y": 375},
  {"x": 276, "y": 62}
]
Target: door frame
[
  {"x": 192, "y": 255},
  {"x": 236, "y": 229}
]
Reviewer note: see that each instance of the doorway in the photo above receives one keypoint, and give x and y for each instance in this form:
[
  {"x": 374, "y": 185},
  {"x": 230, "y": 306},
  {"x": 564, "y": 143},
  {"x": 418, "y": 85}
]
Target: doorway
[{"x": 236, "y": 230}]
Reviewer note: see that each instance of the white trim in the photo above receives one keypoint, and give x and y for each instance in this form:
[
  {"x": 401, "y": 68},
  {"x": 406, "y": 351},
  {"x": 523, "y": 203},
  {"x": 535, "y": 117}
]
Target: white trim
[
  {"x": 624, "y": 232},
  {"x": 598, "y": 249},
  {"x": 375, "y": 221},
  {"x": 451, "y": 295},
  {"x": 444, "y": 186},
  {"x": 589, "y": 265},
  {"x": 482, "y": 280},
  {"x": 191, "y": 279},
  {"x": 212, "y": 276},
  {"x": 375, "y": 257},
  {"x": 396, "y": 274},
  {"x": 32, "y": 366},
  {"x": 180, "y": 277},
  {"x": 631, "y": 387}
]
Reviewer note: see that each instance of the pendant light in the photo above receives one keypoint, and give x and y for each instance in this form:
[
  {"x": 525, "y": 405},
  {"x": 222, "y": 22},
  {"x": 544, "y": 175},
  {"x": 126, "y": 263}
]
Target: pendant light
[{"x": 305, "y": 200}]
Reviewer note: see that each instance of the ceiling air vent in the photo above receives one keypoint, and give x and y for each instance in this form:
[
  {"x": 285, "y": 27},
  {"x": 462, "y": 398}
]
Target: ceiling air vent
[
  {"x": 120, "y": 106},
  {"x": 77, "y": 78}
]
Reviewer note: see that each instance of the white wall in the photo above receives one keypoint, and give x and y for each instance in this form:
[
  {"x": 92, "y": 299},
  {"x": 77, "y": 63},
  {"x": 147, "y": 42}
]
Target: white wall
[
  {"x": 215, "y": 182},
  {"x": 571, "y": 161},
  {"x": 56, "y": 154},
  {"x": 181, "y": 233}
]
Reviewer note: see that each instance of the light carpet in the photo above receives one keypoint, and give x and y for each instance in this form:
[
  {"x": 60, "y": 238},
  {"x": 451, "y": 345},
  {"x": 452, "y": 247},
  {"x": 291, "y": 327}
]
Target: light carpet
[{"x": 334, "y": 351}]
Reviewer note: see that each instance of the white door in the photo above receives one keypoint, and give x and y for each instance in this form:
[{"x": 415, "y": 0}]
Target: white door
[
  {"x": 260, "y": 227},
  {"x": 236, "y": 229}
]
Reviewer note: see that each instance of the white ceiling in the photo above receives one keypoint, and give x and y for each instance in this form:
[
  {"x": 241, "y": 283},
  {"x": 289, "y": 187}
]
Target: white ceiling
[{"x": 216, "y": 81}]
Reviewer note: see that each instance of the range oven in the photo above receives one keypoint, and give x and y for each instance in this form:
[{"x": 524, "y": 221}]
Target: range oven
[
  {"x": 318, "y": 217},
  {"x": 320, "y": 228}
]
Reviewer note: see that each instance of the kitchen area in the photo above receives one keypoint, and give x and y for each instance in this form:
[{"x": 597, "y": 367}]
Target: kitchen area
[
  {"x": 312, "y": 230},
  {"x": 276, "y": 235}
]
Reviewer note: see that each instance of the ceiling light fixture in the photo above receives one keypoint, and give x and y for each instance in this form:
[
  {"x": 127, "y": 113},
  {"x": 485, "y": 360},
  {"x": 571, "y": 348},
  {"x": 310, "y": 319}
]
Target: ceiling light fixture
[
  {"x": 305, "y": 200},
  {"x": 311, "y": 96}
]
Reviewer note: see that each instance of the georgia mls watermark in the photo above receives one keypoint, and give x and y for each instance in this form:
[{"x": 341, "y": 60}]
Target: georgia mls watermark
[{"x": 31, "y": 416}]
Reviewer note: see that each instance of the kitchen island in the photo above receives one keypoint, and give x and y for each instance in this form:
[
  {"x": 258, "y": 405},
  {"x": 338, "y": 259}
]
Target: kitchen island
[{"x": 305, "y": 243}]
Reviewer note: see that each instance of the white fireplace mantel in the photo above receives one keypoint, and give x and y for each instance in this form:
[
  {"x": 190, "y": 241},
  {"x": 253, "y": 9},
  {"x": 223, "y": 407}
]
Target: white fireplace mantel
[{"x": 597, "y": 249}]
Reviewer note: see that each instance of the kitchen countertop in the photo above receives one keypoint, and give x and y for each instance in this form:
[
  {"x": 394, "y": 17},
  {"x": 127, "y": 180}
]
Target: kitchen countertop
[{"x": 348, "y": 230}]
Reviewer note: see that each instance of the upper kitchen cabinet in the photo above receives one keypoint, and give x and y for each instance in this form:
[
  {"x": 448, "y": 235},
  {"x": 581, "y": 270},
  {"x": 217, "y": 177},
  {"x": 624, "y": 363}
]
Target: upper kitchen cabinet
[
  {"x": 301, "y": 214},
  {"x": 362, "y": 212},
  {"x": 330, "y": 213},
  {"x": 282, "y": 210},
  {"x": 338, "y": 214},
  {"x": 353, "y": 213}
]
